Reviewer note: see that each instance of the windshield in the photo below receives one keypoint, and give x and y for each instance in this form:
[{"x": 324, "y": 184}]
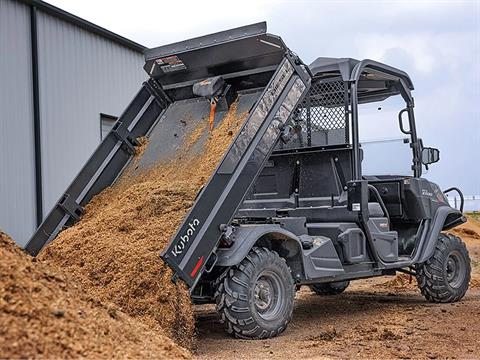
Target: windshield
[{"x": 386, "y": 150}]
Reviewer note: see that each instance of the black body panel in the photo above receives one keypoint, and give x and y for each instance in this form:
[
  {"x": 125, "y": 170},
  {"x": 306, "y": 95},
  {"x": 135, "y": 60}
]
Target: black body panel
[{"x": 311, "y": 178}]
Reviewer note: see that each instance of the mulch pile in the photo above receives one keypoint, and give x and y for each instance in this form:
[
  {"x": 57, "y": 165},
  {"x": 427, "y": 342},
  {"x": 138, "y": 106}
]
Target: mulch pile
[
  {"x": 43, "y": 314},
  {"x": 113, "y": 251}
]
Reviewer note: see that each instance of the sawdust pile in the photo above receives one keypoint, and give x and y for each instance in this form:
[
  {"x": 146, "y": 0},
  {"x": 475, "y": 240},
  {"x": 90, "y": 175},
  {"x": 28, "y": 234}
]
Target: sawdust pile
[
  {"x": 43, "y": 314},
  {"x": 113, "y": 251}
]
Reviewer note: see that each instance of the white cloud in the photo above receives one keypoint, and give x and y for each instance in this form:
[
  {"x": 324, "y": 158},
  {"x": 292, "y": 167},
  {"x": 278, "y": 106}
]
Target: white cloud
[
  {"x": 418, "y": 47},
  {"x": 430, "y": 51}
]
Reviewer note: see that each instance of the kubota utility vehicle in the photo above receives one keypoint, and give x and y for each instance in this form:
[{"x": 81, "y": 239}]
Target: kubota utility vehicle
[{"x": 289, "y": 204}]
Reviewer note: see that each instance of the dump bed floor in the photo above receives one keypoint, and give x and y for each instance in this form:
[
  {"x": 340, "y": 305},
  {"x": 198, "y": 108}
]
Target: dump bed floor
[{"x": 169, "y": 134}]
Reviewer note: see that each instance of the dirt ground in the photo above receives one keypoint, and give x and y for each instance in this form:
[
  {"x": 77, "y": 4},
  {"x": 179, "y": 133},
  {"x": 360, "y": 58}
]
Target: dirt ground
[{"x": 375, "y": 318}]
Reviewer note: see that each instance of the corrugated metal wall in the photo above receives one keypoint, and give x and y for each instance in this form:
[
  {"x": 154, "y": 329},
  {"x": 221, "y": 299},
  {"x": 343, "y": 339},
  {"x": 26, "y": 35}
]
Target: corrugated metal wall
[
  {"x": 17, "y": 180},
  {"x": 81, "y": 75}
]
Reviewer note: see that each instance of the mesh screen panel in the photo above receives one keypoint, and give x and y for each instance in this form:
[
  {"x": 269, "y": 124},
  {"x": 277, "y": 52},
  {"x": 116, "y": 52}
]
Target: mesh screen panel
[{"x": 323, "y": 115}]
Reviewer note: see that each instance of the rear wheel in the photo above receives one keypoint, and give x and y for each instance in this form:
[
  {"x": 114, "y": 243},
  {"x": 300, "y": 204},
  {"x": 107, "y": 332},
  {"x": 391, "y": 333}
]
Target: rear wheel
[
  {"x": 255, "y": 298},
  {"x": 445, "y": 276},
  {"x": 333, "y": 288}
]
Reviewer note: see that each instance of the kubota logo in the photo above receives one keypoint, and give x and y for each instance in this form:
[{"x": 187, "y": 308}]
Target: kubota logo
[{"x": 184, "y": 239}]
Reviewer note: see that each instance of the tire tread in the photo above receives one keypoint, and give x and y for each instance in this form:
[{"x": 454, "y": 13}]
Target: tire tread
[
  {"x": 430, "y": 278},
  {"x": 232, "y": 296}
]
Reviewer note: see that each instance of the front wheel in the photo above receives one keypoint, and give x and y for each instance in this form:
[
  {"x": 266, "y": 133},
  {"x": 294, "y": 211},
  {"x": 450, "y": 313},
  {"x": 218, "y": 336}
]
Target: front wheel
[
  {"x": 255, "y": 298},
  {"x": 444, "y": 278}
]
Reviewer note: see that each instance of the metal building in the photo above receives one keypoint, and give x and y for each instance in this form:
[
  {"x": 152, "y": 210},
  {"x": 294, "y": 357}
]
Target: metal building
[{"x": 63, "y": 82}]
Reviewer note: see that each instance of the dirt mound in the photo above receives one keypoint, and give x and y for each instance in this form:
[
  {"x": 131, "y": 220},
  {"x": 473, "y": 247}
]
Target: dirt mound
[
  {"x": 43, "y": 314},
  {"x": 470, "y": 230},
  {"x": 113, "y": 251},
  {"x": 399, "y": 282},
  {"x": 466, "y": 232}
]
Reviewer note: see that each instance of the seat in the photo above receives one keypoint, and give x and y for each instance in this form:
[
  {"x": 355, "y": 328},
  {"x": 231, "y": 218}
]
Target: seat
[{"x": 375, "y": 210}]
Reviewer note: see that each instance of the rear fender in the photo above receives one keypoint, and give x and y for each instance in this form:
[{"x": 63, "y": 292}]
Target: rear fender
[
  {"x": 273, "y": 237},
  {"x": 445, "y": 218}
]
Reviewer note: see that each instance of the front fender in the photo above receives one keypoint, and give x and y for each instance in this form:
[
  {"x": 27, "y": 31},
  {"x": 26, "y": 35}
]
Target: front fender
[
  {"x": 445, "y": 218},
  {"x": 245, "y": 238}
]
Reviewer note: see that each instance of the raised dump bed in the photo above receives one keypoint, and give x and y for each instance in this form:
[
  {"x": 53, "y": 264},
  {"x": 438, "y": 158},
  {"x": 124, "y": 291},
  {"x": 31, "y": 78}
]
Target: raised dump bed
[{"x": 245, "y": 64}]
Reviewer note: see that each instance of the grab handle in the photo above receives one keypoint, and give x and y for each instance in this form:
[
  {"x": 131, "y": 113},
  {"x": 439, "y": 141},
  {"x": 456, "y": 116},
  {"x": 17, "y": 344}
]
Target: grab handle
[
  {"x": 462, "y": 200},
  {"x": 400, "y": 122}
]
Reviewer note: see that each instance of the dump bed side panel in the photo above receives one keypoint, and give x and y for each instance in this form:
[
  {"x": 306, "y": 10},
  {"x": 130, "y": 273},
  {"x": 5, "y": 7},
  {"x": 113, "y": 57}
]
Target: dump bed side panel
[
  {"x": 216, "y": 205},
  {"x": 105, "y": 165}
]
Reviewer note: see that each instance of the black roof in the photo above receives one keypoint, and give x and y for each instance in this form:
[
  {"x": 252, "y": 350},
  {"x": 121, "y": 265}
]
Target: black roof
[
  {"x": 376, "y": 81},
  {"x": 84, "y": 24},
  {"x": 345, "y": 66}
]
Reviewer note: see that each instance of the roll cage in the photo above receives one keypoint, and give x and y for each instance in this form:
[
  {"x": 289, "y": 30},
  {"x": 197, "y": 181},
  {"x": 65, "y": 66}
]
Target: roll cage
[{"x": 369, "y": 81}]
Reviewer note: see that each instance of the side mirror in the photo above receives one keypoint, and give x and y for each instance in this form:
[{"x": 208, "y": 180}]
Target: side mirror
[{"x": 430, "y": 155}]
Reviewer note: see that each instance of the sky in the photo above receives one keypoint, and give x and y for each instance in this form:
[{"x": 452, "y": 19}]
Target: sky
[{"x": 436, "y": 42}]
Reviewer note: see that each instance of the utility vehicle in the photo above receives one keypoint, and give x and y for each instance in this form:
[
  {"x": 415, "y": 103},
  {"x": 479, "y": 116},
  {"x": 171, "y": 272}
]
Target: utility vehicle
[{"x": 291, "y": 203}]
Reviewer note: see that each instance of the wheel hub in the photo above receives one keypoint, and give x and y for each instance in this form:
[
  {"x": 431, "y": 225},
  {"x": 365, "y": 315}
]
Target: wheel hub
[
  {"x": 263, "y": 294},
  {"x": 453, "y": 269},
  {"x": 267, "y": 295}
]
